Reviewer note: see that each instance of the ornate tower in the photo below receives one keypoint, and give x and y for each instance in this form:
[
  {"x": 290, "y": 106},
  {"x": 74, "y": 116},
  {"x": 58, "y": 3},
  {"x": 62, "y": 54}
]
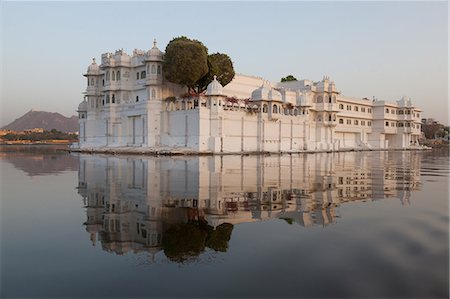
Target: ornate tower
[{"x": 153, "y": 60}]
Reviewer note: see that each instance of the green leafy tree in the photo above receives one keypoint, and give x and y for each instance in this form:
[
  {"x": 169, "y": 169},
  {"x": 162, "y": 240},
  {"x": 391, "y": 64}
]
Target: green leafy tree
[
  {"x": 288, "y": 78},
  {"x": 185, "y": 61},
  {"x": 219, "y": 65}
]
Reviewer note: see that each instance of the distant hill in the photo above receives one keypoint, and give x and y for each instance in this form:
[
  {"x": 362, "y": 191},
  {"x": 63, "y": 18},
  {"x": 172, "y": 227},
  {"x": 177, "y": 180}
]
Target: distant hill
[{"x": 46, "y": 120}]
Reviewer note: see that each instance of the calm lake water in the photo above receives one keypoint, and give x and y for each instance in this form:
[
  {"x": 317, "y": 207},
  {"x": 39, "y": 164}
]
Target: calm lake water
[{"x": 371, "y": 224}]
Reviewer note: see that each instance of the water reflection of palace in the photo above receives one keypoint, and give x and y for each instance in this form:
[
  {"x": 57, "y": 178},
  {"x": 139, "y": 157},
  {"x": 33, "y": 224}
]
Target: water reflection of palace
[{"x": 132, "y": 202}]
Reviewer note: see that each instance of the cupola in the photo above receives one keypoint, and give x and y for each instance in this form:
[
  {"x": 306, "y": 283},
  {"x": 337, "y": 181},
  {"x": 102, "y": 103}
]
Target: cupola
[
  {"x": 214, "y": 88},
  {"x": 266, "y": 92},
  {"x": 154, "y": 54},
  {"x": 82, "y": 107},
  {"x": 93, "y": 68}
]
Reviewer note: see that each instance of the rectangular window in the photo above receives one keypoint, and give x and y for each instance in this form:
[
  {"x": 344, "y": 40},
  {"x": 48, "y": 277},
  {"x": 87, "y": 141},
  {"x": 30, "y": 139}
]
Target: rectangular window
[
  {"x": 387, "y": 110},
  {"x": 356, "y": 108},
  {"x": 363, "y": 109},
  {"x": 349, "y": 122},
  {"x": 369, "y": 123},
  {"x": 349, "y": 107},
  {"x": 369, "y": 110},
  {"x": 356, "y": 122},
  {"x": 387, "y": 124},
  {"x": 363, "y": 123}
]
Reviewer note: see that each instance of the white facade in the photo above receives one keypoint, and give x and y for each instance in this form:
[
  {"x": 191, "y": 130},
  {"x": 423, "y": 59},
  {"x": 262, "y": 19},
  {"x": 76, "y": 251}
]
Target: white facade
[{"x": 128, "y": 104}]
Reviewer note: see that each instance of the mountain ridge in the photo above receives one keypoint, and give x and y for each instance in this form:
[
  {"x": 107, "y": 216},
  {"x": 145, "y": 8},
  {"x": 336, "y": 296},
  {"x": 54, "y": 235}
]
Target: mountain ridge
[{"x": 45, "y": 120}]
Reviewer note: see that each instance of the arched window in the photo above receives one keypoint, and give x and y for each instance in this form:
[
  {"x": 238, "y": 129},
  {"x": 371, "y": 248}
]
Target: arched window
[
  {"x": 341, "y": 106},
  {"x": 88, "y": 81},
  {"x": 137, "y": 76},
  {"x": 329, "y": 116},
  {"x": 92, "y": 81},
  {"x": 103, "y": 82},
  {"x": 118, "y": 75},
  {"x": 295, "y": 112},
  {"x": 142, "y": 74},
  {"x": 153, "y": 69},
  {"x": 329, "y": 99},
  {"x": 275, "y": 109},
  {"x": 113, "y": 75},
  {"x": 153, "y": 93},
  {"x": 159, "y": 70},
  {"x": 183, "y": 105},
  {"x": 341, "y": 121},
  {"x": 137, "y": 97},
  {"x": 265, "y": 108},
  {"x": 107, "y": 76},
  {"x": 113, "y": 99}
]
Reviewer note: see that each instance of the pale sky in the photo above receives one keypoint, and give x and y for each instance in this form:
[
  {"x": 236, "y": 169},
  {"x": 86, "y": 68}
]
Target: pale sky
[{"x": 381, "y": 49}]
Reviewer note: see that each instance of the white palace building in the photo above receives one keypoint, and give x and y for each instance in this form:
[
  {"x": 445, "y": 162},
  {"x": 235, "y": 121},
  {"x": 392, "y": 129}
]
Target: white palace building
[{"x": 129, "y": 106}]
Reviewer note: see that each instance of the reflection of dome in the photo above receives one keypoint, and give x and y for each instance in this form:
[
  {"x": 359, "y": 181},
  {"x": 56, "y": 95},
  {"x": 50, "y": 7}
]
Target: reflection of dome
[
  {"x": 93, "y": 69},
  {"x": 214, "y": 88},
  {"x": 82, "y": 106},
  {"x": 154, "y": 54},
  {"x": 266, "y": 92}
]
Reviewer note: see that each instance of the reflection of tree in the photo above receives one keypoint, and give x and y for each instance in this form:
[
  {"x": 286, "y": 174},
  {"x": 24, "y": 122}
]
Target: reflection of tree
[
  {"x": 218, "y": 238},
  {"x": 186, "y": 240}
]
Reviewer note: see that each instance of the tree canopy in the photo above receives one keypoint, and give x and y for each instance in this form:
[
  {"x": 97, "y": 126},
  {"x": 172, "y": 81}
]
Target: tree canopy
[
  {"x": 219, "y": 65},
  {"x": 187, "y": 62},
  {"x": 288, "y": 78}
]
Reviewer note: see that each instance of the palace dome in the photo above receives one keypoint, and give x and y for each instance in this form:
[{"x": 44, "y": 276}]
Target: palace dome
[
  {"x": 154, "y": 54},
  {"x": 93, "y": 68},
  {"x": 83, "y": 106},
  {"x": 214, "y": 88},
  {"x": 274, "y": 95},
  {"x": 261, "y": 93},
  {"x": 266, "y": 92}
]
